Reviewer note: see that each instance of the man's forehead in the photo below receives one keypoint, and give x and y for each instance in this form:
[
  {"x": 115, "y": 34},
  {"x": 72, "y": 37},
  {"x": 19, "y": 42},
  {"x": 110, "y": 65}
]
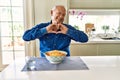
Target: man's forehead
[
  {"x": 60, "y": 11},
  {"x": 59, "y": 8}
]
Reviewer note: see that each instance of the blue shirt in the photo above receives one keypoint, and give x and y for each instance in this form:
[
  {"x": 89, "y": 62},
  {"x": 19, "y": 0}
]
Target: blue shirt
[{"x": 52, "y": 41}]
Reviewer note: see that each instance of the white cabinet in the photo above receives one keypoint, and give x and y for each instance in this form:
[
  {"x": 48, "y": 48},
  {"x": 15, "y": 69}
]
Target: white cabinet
[
  {"x": 95, "y": 49},
  {"x": 109, "y": 49},
  {"x": 83, "y": 49}
]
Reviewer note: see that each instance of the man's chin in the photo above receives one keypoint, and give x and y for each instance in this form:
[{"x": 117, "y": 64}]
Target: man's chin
[{"x": 59, "y": 22}]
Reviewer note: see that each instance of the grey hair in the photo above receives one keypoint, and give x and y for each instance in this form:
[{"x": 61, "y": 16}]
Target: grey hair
[{"x": 57, "y": 6}]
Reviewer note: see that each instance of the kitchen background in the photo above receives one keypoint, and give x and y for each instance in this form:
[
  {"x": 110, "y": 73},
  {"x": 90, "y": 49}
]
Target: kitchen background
[{"x": 19, "y": 15}]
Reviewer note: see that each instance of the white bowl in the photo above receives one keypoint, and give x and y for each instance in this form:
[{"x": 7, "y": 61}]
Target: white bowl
[{"x": 55, "y": 59}]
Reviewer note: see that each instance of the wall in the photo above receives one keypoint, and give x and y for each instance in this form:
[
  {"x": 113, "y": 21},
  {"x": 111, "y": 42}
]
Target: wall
[
  {"x": 43, "y": 7},
  {"x": 0, "y": 61},
  {"x": 96, "y": 4}
]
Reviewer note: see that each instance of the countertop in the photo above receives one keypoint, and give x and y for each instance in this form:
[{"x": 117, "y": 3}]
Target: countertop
[
  {"x": 96, "y": 40},
  {"x": 100, "y": 68}
]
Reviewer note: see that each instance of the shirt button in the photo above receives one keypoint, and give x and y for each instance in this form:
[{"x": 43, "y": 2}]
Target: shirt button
[{"x": 54, "y": 45}]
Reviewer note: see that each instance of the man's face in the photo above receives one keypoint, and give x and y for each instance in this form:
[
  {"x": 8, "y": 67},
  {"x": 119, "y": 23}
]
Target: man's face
[{"x": 58, "y": 15}]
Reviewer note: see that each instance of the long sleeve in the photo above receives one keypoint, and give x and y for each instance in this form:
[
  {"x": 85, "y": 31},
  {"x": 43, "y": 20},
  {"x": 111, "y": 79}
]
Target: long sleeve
[
  {"x": 77, "y": 35},
  {"x": 34, "y": 33}
]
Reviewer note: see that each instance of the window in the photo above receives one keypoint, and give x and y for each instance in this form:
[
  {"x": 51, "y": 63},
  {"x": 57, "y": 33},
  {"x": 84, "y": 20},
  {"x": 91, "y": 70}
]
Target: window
[
  {"x": 79, "y": 17},
  {"x": 11, "y": 30}
]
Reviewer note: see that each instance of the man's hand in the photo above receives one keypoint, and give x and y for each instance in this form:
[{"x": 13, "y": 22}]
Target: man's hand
[
  {"x": 52, "y": 28},
  {"x": 62, "y": 29},
  {"x": 57, "y": 28}
]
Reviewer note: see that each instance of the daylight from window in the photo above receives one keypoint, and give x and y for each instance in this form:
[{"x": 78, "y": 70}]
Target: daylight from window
[
  {"x": 11, "y": 30},
  {"x": 79, "y": 18}
]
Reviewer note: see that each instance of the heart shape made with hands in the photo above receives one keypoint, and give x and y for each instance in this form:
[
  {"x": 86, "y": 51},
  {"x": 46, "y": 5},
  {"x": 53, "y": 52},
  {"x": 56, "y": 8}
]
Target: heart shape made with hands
[{"x": 57, "y": 28}]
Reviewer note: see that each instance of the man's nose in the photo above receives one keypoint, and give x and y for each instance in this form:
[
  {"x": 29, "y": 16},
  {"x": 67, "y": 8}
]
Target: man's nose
[{"x": 61, "y": 16}]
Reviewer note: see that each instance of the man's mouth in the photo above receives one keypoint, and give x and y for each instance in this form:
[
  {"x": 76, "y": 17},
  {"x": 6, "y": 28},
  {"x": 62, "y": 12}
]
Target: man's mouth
[{"x": 59, "y": 21}]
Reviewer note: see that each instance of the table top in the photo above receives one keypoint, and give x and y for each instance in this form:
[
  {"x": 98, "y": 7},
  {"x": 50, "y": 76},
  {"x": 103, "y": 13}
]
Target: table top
[{"x": 100, "y": 68}]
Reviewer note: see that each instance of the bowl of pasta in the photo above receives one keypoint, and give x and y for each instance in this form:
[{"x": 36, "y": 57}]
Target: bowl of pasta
[{"x": 55, "y": 56}]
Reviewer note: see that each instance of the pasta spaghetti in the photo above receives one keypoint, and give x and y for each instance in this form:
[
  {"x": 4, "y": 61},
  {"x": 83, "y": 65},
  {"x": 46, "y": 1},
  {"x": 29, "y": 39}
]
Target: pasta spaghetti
[{"x": 55, "y": 53}]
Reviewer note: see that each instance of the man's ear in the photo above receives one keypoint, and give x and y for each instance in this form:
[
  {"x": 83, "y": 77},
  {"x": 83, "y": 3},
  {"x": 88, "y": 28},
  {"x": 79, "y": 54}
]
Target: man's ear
[{"x": 51, "y": 12}]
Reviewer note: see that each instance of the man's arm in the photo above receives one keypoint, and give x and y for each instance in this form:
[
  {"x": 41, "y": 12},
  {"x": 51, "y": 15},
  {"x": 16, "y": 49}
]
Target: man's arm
[
  {"x": 34, "y": 33},
  {"x": 75, "y": 34}
]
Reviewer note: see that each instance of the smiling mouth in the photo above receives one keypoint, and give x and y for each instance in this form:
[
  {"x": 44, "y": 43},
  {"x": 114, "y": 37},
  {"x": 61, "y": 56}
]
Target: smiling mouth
[{"x": 58, "y": 21}]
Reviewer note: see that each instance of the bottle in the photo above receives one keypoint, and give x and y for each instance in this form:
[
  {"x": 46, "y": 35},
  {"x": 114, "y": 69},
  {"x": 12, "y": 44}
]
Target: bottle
[{"x": 31, "y": 64}]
